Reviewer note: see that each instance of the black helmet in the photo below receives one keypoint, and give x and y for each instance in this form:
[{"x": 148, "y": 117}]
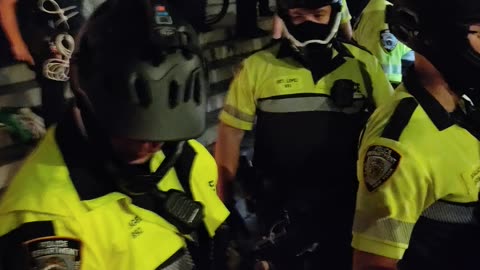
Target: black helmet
[
  {"x": 335, "y": 18},
  {"x": 138, "y": 73},
  {"x": 439, "y": 31}
]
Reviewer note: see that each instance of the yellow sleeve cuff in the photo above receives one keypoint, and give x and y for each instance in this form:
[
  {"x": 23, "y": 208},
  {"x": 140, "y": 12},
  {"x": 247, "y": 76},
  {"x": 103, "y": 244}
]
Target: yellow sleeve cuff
[
  {"x": 377, "y": 247},
  {"x": 346, "y": 19},
  {"x": 235, "y": 122}
]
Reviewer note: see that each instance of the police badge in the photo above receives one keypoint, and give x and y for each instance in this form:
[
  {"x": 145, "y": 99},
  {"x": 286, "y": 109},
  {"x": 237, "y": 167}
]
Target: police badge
[
  {"x": 380, "y": 163},
  {"x": 388, "y": 40}
]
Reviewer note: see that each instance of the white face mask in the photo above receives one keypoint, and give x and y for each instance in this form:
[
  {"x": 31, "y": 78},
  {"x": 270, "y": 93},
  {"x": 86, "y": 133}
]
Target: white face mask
[{"x": 299, "y": 44}]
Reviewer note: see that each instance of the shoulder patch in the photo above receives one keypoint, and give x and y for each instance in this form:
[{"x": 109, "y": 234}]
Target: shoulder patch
[
  {"x": 388, "y": 40},
  {"x": 54, "y": 253},
  {"x": 379, "y": 164},
  {"x": 13, "y": 252}
]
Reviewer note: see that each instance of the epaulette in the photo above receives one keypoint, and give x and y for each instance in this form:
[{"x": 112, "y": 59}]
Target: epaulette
[{"x": 400, "y": 118}]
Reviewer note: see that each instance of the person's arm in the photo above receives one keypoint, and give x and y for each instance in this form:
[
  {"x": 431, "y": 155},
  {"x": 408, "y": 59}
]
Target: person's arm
[
  {"x": 345, "y": 31},
  {"x": 227, "y": 154},
  {"x": 368, "y": 261},
  {"x": 238, "y": 115},
  {"x": 394, "y": 189},
  {"x": 9, "y": 23},
  {"x": 277, "y": 27}
]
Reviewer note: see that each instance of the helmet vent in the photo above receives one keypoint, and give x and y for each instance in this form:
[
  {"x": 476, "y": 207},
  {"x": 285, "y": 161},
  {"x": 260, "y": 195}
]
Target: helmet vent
[
  {"x": 197, "y": 88},
  {"x": 173, "y": 94},
  {"x": 188, "y": 91},
  {"x": 144, "y": 94}
]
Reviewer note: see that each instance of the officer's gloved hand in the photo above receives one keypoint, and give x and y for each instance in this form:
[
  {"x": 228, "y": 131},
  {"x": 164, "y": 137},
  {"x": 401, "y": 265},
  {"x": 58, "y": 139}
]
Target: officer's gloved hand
[
  {"x": 221, "y": 242},
  {"x": 232, "y": 244},
  {"x": 246, "y": 178}
]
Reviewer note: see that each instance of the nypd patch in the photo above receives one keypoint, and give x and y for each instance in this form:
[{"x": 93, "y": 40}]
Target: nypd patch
[
  {"x": 388, "y": 40},
  {"x": 54, "y": 253},
  {"x": 380, "y": 163}
]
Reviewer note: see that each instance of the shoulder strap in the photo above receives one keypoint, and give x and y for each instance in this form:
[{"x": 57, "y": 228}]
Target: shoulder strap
[
  {"x": 183, "y": 167},
  {"x": 367, "y": 81},
  {"x": 342, "y": 50},
  {"x": 400, "y": 118}
]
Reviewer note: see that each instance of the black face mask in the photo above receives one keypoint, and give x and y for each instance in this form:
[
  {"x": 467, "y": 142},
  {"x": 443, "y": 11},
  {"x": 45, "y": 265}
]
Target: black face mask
[
  {"x": 308, "y": 31},
  {"x": 314, "y": 56}
]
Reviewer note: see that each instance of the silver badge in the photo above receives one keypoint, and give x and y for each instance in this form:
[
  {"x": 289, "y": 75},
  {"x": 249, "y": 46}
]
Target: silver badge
[
  {"x": 167, "y": 31},
  {"x": 388, "y": 40}
]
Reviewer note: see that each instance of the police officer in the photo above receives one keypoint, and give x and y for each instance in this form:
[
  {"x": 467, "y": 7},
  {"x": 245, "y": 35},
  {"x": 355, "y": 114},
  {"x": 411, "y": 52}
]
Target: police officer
[
  {"x": 119, "y": 184},
  {"x": 372, "y": 32},
  {"x": 419, "y": 160},
  {"x": 309, "y": 96}
]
